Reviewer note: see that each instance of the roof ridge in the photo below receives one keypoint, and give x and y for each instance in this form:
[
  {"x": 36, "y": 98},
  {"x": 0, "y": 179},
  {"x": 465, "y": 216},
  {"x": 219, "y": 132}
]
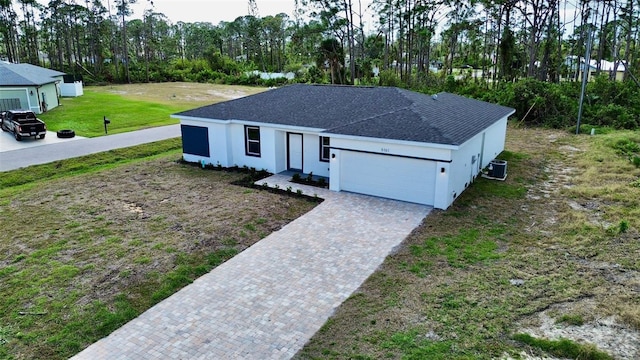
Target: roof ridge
[
  {"x": 410, "y": 107},
  {"x": 390, "y": 111},
  {"x": 405, "y": 93}
]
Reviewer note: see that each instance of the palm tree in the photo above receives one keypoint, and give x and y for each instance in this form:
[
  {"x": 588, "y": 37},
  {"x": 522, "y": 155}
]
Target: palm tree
[{"x": 331, "y": 53}]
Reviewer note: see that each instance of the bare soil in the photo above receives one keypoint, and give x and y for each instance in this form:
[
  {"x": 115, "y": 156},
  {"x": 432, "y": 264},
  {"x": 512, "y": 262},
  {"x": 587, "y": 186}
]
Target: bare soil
[
  {"x": 96, "y": 237},
  {"x": 558, "y": 253},
  {"x": 156, "y": 210},
  {"x": 72, "y": 245},
  {"x": 179, "y": 93}
]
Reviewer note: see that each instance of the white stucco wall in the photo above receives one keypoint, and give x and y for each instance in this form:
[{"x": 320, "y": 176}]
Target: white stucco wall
[
  {"x": 465, "y": 166},
  {"x": 311, "y": 155},
  {"x": 390, "y": 147},
  {"x": 456, "y": 167},
  {"x": 280, "y": 150},
  {"x": 442, "y": 198},
  {"x": 494, "y": 141},
  {"x": 267, "y": 158},
  {"x": 485, "y": 146},
  {"x": 227, "y": 147}
]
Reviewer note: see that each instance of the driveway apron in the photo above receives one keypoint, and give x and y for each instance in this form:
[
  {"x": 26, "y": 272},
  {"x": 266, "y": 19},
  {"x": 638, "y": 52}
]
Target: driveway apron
[{"x": 269, "y": 300}]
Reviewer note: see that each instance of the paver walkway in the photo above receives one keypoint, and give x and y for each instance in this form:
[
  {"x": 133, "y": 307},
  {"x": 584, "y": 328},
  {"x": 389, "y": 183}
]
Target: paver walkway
[{"x": 269, "y": 300}]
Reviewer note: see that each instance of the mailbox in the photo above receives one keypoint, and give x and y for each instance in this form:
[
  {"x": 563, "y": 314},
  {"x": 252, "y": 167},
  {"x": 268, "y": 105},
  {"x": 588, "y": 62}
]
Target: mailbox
[{"x": 106, "y": 121}]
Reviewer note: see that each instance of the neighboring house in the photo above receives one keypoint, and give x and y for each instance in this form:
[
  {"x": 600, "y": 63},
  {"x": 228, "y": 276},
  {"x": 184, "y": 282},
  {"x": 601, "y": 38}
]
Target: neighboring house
[
  {"x": 271, "y": 75},
  {"x": 30, "y": 87},
  {"x": 379, "y": 141},
  {"x": 606, "y": 67}
]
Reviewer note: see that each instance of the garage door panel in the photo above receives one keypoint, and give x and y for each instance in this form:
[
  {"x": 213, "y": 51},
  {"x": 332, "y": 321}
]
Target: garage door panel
[{"x": 388, "y": 176}]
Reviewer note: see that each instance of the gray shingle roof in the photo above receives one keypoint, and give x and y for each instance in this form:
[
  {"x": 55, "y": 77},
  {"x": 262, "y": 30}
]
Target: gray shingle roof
[
  {"x": 377, "y": 112},
  {"x": 26, "y": 75}
]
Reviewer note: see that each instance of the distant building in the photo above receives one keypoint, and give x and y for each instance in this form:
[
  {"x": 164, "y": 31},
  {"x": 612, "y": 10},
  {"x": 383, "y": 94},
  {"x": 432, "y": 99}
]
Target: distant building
[
  {"x": 31, "y": 87},
  {"x": 607, "y": 67}
]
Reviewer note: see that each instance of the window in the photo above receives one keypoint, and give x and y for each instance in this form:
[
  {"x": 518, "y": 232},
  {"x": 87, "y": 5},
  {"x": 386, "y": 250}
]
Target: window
[
  {"x": 195, "y": 140},
  {"x": 252, "y": 140},
  {"x": 324, "y": 148}
]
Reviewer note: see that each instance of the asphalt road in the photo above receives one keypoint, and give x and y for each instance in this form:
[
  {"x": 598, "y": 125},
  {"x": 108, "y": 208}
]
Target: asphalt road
[{"x": 17, "y": 154}]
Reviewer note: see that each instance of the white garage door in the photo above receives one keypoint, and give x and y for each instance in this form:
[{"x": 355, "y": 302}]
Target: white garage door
[{"x": 388, "y": 176}]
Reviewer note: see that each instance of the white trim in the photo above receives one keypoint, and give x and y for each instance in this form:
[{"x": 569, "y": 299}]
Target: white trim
[
  {"x": 289, "y": 128},
  {"x": 319, "y": 132},
  {"x": 249, "y": 141},
  {"x": 295, "y": 151},
  {"x": 391, "y": 141},
  {"x": 322, "y": 147}
]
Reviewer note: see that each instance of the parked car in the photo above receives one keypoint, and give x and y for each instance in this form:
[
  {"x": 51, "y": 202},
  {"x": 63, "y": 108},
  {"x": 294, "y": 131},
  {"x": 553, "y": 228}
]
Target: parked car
[{"x": 22, "y": 123}]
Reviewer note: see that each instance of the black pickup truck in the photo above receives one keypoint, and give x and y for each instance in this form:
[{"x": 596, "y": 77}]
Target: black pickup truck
[{"x": 22, "y": 123}]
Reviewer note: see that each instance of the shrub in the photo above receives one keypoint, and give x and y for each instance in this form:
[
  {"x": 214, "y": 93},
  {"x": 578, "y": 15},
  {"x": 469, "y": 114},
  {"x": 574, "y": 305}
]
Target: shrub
[
  {"x": 623, "y": 227},
  {"x": 626, "y": 147},
  {"x": 390, "y": 78}
]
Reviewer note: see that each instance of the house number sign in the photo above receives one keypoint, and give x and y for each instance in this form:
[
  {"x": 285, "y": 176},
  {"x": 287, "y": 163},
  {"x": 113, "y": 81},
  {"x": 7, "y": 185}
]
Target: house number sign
[{"x": 385, "y": 150}]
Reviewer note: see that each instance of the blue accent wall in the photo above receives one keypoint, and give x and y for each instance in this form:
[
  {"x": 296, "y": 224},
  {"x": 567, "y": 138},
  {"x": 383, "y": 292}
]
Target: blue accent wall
[{"x": 195, "y": 140}]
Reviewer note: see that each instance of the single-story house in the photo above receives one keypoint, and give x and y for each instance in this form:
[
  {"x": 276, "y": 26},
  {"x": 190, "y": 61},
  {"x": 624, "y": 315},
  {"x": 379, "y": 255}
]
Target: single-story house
[
  {"x": 606, "y": 67},
  {"x": 31, "y": 87},
  {"x": 380, "y": 141}
]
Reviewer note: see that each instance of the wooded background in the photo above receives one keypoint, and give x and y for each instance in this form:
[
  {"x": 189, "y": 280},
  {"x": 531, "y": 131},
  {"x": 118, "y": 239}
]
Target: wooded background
[{"x": 519, "y": 53}]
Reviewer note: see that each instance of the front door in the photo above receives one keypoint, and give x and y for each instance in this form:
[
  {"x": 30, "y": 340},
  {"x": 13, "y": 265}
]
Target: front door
[{"x": 294, "y": 151}]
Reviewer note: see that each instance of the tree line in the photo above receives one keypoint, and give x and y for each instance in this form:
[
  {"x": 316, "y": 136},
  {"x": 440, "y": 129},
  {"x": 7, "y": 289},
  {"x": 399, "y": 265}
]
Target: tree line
[{"x": 500, "y": 42}]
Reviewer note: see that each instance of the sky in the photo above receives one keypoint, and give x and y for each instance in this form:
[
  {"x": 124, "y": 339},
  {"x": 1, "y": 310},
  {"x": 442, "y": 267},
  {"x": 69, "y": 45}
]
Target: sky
[
  {"x": 215, "y": 11},
  {"x": 212, "y": 11}
]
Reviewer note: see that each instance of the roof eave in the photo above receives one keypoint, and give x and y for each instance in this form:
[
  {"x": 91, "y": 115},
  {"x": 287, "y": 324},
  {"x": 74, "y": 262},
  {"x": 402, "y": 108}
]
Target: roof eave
[
  {"x": 392, "y": 141},
  {"x": 251, "y": 123}
]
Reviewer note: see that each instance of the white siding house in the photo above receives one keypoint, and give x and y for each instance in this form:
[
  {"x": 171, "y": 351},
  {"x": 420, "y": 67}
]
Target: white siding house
[{"x": 378, "y": 141}]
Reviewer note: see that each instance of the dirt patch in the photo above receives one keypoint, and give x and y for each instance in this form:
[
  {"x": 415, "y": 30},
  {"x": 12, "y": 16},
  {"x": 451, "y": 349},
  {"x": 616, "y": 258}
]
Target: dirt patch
[
  {"x": 602, "y": 329},
  {"x": 194, "y": 94},
  {"x": 554, "y": 254},
  {"x": 618, "y": 340},
  {"x": 117, "y": 234}
]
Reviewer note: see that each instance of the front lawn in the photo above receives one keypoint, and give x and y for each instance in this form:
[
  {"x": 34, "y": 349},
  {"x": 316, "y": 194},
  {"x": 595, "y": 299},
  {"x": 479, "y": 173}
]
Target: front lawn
[
  {"x": 85, "y": 114},
  {"x": 90, "y": 243},
  {"x": 135, "y": 106}
]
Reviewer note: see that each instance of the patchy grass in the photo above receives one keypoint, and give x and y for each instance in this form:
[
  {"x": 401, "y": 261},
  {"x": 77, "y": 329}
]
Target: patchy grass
[
  {"x": 469, "y": 278},
  {"x": 90, "y": 163},
  {"x": 90, "y": 247},
  {"x": 564, "y": 348},
  {"x": 571, "y": 319}
]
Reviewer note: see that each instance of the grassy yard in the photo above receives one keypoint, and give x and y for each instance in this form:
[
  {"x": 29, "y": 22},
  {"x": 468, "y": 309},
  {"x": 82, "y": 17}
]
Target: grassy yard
[
  {"x": 91, "y": 245},
  {"x": 136, "y": 106},
  {"x": 546, "y": 263}
]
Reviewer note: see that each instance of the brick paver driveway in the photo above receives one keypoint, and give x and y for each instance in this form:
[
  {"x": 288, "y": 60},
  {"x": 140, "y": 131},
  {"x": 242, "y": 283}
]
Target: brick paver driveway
[{"x": 267, "y": 302}]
